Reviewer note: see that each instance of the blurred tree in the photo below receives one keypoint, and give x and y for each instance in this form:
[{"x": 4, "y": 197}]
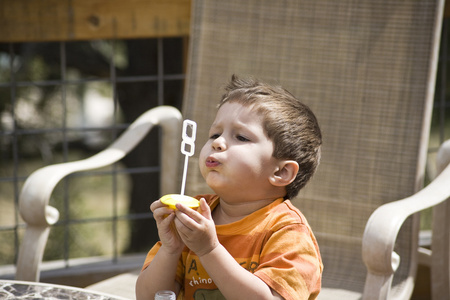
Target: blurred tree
[{"x": 92, "y": 60}]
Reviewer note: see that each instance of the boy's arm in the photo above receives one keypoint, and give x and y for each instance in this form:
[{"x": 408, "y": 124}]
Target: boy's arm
[{"x": 159, "y": 275}]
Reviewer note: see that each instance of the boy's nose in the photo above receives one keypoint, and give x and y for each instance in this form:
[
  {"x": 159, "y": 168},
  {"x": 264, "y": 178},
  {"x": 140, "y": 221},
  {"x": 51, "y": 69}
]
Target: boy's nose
[{"x": 219, "y": 144}]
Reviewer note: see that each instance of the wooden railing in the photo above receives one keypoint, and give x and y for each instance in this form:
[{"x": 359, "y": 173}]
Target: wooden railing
[{"x": 68, "y": 20}]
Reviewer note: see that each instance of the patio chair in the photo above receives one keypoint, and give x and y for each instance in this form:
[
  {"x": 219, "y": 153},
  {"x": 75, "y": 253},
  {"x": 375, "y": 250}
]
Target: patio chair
[
  {"x": 367, "y": 69},
  {"x": 34, "y": 198}
]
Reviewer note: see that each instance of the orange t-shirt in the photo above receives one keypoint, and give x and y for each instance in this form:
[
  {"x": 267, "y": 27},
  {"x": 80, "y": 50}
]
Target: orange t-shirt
[{"x": 274, "y": 243}]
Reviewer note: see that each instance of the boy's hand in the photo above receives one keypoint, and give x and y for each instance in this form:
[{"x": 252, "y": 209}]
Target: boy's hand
[
  {"x": 196, "y": 228},
  {"x": 168, "y": 235}
]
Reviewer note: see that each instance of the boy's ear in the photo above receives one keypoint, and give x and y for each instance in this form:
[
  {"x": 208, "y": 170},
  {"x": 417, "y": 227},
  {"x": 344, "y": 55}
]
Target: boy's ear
[{"x": 285, "y": 173}]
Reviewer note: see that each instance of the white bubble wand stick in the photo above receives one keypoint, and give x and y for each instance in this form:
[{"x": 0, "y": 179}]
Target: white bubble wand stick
[
  {"x": 188, "y": 149},
  {"x": 188, "y": 140}
]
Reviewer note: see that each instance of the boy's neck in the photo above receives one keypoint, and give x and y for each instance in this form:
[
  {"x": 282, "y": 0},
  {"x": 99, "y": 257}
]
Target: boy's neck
[{"x": 227, "y": 212}]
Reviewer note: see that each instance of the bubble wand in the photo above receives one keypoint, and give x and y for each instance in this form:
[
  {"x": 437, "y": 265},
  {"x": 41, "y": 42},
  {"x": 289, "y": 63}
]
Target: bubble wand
[
  {"x": 188, "y": 149},
  {"x": 188, "y": 140}
]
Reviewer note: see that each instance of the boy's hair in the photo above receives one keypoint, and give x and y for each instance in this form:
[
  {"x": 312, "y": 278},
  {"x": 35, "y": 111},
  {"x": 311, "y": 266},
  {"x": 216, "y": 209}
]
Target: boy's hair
[{"x": 290, "y": 124}]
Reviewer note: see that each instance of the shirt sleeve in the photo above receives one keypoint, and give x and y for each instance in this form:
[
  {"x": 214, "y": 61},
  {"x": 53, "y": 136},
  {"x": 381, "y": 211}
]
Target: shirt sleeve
[
  {"x": 151, "y": 254},
  {"x": 290, "y": 263}
]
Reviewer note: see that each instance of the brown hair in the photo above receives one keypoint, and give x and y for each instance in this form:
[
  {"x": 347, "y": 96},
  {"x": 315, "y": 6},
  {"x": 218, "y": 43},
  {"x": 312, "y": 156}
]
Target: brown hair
[{"x": 290, "y": 124}]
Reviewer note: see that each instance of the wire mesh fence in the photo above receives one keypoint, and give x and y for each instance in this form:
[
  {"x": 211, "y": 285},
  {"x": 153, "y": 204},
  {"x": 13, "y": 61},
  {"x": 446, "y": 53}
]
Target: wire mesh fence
[{"x": 64, "y": 101}]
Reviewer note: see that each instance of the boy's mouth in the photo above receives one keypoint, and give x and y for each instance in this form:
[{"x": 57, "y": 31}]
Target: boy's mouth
[{"x": 211, "y": 162}]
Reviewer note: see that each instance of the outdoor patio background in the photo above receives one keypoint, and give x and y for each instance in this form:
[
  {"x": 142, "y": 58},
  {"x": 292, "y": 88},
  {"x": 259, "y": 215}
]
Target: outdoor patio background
[{"x": 58, "y": 113}]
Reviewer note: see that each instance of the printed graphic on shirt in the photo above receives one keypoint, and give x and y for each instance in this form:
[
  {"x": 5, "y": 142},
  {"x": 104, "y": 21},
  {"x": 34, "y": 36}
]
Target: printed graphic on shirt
[
  {"x": 198, "y": 279},
  {"x": 196, "y": 275},
  {"x": 208, "y": 294}
]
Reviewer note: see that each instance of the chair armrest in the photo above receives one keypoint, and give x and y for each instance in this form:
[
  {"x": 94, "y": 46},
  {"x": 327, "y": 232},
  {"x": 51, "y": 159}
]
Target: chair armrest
[
  {"x": 440, "y": 239},
  {"x": 36, "y": 192},
  {"x": 385, "y": 222},
  {"x": 37, "y": 189}
]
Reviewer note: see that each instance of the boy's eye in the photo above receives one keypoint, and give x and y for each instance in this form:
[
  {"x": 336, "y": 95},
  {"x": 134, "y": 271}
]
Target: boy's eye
[
  {"x": 242, "y": 138},
  {"x": 214, "y": 136}
]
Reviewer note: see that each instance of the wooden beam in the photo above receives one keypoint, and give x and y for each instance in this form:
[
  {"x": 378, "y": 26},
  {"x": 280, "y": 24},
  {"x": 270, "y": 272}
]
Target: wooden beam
[{"x": 66, "y": 20}]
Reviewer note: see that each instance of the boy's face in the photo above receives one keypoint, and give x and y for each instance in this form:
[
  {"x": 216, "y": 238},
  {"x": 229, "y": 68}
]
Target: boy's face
[{"x": 237, "y": 160}]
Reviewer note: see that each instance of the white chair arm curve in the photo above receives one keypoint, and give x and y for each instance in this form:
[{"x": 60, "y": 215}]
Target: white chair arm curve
[
  {"x": 443, "y": 156},
  {"x": 385, "y": 222},
  {"x": 36, "y": 192}
]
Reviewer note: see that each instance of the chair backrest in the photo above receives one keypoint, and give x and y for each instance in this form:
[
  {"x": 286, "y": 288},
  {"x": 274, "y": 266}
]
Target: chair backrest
[{"x": 367, "y": 70}]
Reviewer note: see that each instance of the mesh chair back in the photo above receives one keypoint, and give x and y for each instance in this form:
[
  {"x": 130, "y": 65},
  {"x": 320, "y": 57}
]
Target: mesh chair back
[{"x": 366, "y": 70}]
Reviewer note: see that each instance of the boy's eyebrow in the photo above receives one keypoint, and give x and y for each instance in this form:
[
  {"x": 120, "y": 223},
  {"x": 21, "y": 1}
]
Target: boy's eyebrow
[
  {"x": 237, "y": 125},
  {"x": 213, "y": 125}
]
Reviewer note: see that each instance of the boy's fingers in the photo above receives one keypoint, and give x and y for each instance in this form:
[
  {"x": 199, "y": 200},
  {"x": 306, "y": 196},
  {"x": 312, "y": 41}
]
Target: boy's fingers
[
  {"x": 186, "y": 210},
  {"x": 161, "y": 213},
  {"x": 193, "y": 214},
  {"x": 205, "y": 210},
  {"x": 156, "y": 204},
  {"x": 168, "y": 218}
]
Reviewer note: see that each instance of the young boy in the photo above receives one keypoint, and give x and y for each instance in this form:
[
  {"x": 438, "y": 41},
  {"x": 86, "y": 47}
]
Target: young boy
[{"x": 248, "y": 241}]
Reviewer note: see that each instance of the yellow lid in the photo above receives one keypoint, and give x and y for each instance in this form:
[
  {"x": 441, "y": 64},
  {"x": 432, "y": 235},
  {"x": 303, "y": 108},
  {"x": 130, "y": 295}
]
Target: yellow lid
[{"x": 173, "y": 199}]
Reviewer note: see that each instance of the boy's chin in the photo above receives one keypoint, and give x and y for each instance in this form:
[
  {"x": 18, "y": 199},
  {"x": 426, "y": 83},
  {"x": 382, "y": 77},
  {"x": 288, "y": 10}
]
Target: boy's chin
[
  {"x": 217, "y": 188},
  {"x": 213, "y": 178}
]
